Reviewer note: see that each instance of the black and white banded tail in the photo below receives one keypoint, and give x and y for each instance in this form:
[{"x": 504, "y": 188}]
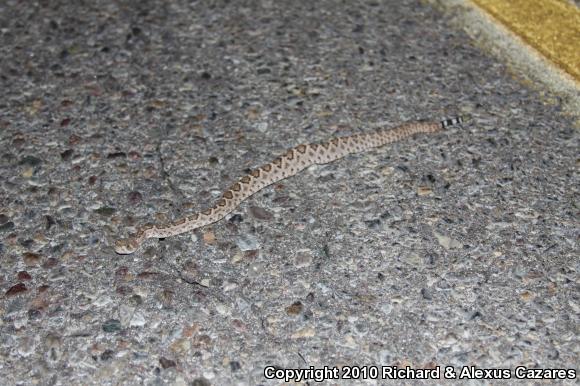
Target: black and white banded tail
[{"x": 455, "y": 121}]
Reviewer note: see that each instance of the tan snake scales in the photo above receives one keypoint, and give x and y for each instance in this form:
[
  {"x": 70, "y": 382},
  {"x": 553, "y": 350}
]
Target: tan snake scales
[{"x": 289, "y": 164}]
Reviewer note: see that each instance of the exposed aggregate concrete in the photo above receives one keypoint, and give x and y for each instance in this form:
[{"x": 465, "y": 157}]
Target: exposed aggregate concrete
[{"x": 459, "y": 248}]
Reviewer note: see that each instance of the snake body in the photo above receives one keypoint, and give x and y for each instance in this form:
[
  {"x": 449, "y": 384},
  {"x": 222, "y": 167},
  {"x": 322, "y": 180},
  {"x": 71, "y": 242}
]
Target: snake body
[{"x": 289, "y": 164}]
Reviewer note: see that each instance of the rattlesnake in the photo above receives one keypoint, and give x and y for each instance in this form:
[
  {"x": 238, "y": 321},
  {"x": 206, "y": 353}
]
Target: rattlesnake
[{"x": 289, "y": 164}]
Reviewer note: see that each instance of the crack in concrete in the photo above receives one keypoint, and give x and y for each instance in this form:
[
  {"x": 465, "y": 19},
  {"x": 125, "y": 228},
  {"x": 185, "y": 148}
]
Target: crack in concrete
[{"x": 164, "y": 175}]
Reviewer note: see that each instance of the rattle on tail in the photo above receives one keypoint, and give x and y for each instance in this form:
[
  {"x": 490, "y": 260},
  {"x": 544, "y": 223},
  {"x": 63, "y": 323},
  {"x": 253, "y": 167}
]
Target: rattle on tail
[{"x": 289, "y": 164}]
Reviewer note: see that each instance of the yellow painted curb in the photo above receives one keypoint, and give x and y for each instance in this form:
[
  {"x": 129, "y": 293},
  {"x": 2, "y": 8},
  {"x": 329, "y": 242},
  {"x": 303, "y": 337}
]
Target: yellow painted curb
[
  {"x": 550, "y": 26},
  {"x": 540, "y": 45}
]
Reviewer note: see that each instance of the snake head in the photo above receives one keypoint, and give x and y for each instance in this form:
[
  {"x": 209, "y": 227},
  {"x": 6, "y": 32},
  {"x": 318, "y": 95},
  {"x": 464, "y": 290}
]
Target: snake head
[{"x": 126, "y": 246}]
